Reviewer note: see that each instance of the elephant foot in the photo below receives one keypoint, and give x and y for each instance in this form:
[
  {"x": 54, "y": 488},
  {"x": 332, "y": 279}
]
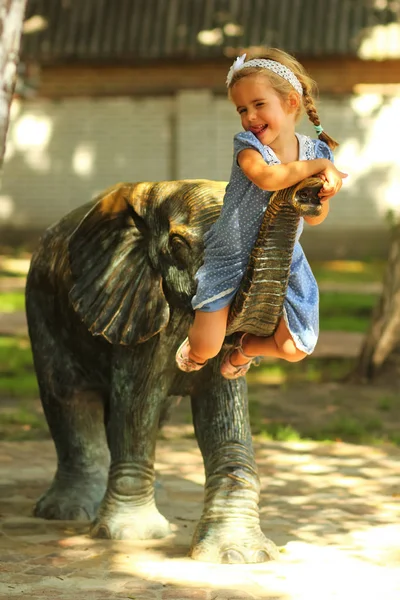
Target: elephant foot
[
  {"x": 130, "y": 523},
  {"x": 72, "y": 500},
  {"x": 231, "y": 543}
]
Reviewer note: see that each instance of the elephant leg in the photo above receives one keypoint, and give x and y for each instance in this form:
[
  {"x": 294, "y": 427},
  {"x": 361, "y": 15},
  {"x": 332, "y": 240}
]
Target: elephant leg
[
  {"x": 128, "y": 509},
  {"x": 229, "y": 529},
  {"x": 75, "y": 415}
]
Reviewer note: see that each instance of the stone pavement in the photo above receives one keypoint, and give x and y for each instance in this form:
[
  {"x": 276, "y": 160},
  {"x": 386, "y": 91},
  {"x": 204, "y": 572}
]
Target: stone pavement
[{"x": 333, "y": 509}]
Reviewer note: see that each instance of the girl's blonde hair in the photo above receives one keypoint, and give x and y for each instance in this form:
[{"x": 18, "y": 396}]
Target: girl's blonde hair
[{"x": 283, "y": 87}]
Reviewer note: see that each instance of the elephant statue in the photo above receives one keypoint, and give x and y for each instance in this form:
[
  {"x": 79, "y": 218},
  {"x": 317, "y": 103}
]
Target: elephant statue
[{"x": 108, "y": 301}]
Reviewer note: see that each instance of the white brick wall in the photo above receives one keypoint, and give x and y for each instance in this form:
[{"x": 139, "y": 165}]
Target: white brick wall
[{"x": 61, "y": 153}]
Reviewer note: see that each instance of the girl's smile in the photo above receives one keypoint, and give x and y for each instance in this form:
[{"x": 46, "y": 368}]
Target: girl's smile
[
  {"x": 257, "y": 130},
  {"x": 263, "y": 112}
]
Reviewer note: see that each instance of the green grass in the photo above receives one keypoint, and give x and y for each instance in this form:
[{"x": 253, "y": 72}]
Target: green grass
[
  {"x": 347, "y": 428},
  {"x": 9, "y": 273},
  {"x": 15, "y": 354},
  {"x": 339, "y": 311},
  {"x": 343, "y": 427},
  {"x": 387, "y": 403},
  {"x": 280, "y": 432},
  {"x": 12, "y": 301},
  {"x": 23, "y": 423},
  {"x": 311, "y": 370},
  {"x": 17, "y": 377},
  {"x": 348, "y": 271},
  {"x": 346, "y": 311},
  {"x": 22, "y": 416}
]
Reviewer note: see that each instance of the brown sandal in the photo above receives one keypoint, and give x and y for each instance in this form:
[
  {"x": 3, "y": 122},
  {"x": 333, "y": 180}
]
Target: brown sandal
[
  {"x": 230, "y": 371},
  {"x": 184, "y": 362}
]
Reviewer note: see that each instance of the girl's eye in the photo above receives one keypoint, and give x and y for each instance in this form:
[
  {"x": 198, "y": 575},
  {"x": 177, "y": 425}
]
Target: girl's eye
[
  {"x": 241, "y": 111},
  {"x": 260, "y": 104}
]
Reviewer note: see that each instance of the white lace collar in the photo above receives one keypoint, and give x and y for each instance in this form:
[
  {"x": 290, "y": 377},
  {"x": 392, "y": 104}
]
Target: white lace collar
[{"x": 306, "y": 150}]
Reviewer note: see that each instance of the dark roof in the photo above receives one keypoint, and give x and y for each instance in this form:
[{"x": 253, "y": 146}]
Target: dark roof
[{"x": 137, "y": 30}]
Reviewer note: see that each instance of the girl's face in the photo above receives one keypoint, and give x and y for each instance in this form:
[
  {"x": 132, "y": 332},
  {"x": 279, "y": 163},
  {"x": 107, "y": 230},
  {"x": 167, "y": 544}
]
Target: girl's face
[{"x": 262, "y": 110}]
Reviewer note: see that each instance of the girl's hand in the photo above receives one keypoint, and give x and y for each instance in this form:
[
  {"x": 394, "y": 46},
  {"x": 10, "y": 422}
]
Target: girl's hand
[{"x": 332, "y": 179}]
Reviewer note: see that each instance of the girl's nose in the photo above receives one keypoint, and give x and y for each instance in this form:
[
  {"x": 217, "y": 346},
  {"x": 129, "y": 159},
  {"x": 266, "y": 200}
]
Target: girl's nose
[{"x": 251, "y": 115}]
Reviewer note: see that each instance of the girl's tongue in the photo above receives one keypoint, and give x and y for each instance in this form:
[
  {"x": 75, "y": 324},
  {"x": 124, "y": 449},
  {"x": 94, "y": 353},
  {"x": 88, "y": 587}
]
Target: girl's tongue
[{"x": 258, "y": 130}]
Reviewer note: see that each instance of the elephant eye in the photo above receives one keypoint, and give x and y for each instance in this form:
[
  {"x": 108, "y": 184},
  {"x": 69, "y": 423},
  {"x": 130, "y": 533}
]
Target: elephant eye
[{"x": 181, "y": 249}]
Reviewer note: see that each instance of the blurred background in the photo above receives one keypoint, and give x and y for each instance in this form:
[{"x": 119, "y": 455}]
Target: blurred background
[{"x": 130, "y": 90}]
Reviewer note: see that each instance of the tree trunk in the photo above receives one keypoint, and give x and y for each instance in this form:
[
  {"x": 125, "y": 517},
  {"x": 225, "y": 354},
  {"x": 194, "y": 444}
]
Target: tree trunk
[
  {"x": 11, "y": 18},
  {"x": 380, "y": 354}
]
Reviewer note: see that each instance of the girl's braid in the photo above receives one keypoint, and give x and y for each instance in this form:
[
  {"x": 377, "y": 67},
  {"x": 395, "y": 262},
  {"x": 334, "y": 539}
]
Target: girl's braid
[{"x": 312, "y": 114}]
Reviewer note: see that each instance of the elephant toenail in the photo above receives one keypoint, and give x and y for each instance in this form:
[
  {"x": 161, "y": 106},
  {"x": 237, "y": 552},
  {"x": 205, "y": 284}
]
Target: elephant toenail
[
  {"x": 77, "y": 513},
  {"x": 261, "y": 556},
  {"x": 232, "y": 557},
  {"x": 103, "y": 532}
]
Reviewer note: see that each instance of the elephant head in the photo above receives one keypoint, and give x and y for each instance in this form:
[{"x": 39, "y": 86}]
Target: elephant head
[{"x": 136, "y": 252}]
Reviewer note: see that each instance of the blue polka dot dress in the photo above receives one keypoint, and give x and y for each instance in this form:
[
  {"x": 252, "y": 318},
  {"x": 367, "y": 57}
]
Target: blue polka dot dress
[{"x": 229, "y": 241}]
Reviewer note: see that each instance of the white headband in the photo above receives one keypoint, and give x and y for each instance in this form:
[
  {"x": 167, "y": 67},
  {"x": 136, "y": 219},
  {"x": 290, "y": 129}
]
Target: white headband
[{"x": 265, "y": 63}]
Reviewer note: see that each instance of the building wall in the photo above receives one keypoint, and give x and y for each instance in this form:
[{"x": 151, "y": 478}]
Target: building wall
[{"x": 62, "y": 152}]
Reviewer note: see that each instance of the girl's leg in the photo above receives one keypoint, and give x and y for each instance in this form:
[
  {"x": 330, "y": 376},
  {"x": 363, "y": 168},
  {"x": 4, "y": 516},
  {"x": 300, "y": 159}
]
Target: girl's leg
[
  {"x": 207, "y": 334},
  {"x": 279, "y": 345}
]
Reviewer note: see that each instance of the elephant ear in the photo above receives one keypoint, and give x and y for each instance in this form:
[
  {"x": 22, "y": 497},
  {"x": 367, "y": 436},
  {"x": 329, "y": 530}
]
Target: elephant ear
[{"x": 115, "y": 291}]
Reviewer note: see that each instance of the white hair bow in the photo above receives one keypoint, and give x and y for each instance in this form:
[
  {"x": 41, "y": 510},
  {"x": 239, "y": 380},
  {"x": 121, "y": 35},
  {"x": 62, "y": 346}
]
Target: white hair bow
[{"x": 237, "y": 65}]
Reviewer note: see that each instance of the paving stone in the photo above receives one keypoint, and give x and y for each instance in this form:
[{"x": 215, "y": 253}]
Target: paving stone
[
  {"x": 142, "y": 586},
  {"x": 145, "y": 595},
  {"x": 315, "y": 504},
  {"x": 185, "y": 594},
  {"x": 230, "y": 595}
]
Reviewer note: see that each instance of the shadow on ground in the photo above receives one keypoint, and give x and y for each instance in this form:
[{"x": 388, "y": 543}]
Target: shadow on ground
[{"x": 331, "y": 508}]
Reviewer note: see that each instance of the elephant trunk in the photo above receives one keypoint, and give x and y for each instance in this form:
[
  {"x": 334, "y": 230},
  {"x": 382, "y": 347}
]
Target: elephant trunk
[{"x": 258, "y": 304}]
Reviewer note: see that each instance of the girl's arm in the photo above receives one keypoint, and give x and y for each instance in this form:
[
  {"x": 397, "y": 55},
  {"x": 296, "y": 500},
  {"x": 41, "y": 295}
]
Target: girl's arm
[{"x": 277, "y": 177}]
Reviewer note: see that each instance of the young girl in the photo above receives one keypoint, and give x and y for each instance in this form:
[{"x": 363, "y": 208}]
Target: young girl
[{"x": 269, "y": 93}]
